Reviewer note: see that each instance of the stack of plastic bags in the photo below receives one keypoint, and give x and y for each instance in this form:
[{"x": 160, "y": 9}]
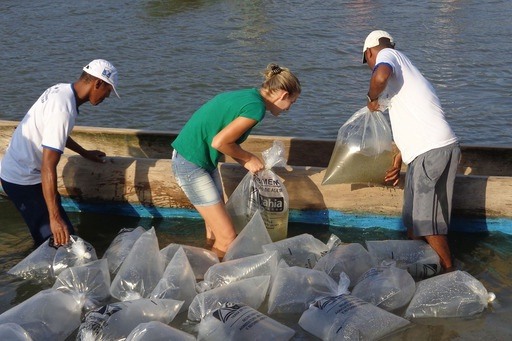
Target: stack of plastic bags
[{"x": 137, "y": 290}]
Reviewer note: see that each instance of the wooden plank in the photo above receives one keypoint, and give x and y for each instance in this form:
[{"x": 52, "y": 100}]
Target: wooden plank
[
  {"x": 143, "y": 175},
  {"x": 475, "y": 160},
  {"x": 150, "y": 182}
]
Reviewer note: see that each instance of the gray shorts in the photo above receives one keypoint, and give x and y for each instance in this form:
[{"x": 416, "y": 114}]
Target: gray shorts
[{"x": 428, "y": 191}]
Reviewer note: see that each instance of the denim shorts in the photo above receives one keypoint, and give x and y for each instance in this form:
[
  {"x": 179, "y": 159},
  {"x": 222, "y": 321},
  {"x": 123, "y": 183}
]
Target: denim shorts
[{"x": 202, "y": 188}]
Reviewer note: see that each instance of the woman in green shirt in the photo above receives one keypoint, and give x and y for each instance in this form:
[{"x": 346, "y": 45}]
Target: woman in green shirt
[{"x": 219, "y": 127}]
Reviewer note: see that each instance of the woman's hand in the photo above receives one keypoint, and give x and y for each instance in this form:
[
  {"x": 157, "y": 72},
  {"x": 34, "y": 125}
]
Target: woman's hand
[{"x": 254, "y": 164}]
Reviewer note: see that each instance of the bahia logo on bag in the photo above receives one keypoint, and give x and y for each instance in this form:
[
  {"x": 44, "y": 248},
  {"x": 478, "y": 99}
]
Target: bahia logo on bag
[{"x": 272, "y": 204}]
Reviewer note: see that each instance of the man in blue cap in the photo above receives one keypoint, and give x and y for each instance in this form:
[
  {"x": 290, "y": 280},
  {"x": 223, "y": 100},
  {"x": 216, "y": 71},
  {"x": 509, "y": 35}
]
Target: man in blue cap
[{"x": 28, "y": 170}]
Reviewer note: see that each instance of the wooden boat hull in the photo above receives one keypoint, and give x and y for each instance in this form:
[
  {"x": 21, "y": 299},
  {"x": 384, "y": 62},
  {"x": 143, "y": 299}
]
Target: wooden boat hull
[{"x": 138, "y": 172}]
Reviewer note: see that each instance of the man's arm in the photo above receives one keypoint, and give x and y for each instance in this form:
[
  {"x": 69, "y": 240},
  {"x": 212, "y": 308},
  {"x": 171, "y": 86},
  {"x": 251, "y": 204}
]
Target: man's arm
[
  {"x": 49, "y": 183},
  {"x": 378, "y": 83},
  {"x": 93, "y": 155}
]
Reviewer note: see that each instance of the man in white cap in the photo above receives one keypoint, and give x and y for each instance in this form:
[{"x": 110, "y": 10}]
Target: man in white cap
[
  {"x": 426, "y": 142},
  {"x": 28, "y": 170}
]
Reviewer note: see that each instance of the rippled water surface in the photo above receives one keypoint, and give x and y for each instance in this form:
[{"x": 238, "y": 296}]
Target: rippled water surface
[{"x": 173, "y": 55}]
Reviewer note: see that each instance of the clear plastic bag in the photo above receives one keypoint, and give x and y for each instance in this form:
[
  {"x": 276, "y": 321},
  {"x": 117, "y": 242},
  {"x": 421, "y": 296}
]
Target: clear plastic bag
[
  {"x": 38, "y": 264},
  {"x": 263, "y": 191},
  {"x": 385, "y": 286},
  {"x": 251, "y": 291},
  {"x": 233, "y": 322},
  {"x": 199, "y": 258},
  {"x": 303, "y": 250},
  {"x": 76, "y": 252},
  {"x": 120, "y": 247},
  {"x": 234, "y": 270},
  {"x": 346, "y": 317},
  {"x": 91, "y": 280},
  {"x": 416, "y": 256},
  {"x": 250, "y": 241},
  {"x": 295, "y": 288},
  {"x": 48, "y": 260},
  {"x": 48, "y": 315},
  {"x": 363, "y": 151},
  {"x": 141, "y": 270},
  {"x": 115, "y": 321},
  {"x": 453, "y": 294},
  {"x": 178, "y": 281},
  {"x": 352, "y": 259}
]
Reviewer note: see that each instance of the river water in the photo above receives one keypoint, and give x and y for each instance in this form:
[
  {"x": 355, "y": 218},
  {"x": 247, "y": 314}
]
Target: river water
[{"x": 173, "y": 55}]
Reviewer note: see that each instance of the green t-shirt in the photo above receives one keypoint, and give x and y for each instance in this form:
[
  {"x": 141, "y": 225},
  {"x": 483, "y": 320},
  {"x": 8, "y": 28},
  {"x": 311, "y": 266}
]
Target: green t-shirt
[{"x": 195, "y": 139}]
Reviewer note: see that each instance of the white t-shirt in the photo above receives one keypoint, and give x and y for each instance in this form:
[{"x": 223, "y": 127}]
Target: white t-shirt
[
  {"x": 47, "y": 124},
  {"x": 416, "y": 116}
]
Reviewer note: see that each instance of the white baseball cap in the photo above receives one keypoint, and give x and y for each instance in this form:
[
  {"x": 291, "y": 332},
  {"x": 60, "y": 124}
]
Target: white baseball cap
[
  {"x": 373, "y": 40},
  {"x": 104, "y": 70}
]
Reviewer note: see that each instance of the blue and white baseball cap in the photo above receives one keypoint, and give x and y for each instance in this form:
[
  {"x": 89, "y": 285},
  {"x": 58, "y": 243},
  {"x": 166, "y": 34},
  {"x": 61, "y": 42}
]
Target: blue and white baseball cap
[
  {"x": 104, "y": 70},
  {"x": 372, "y": 40}
]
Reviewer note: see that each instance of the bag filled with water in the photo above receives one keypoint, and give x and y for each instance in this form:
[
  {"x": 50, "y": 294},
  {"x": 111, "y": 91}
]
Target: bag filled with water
[{"x": 363, "y": 151}]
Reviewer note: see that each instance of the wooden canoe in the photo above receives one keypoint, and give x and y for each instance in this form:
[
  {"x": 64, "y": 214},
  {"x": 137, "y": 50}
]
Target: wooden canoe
[{"x": 138, "y": 173}]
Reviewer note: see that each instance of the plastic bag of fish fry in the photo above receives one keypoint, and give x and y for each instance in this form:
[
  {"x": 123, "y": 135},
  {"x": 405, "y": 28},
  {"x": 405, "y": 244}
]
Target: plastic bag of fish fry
[
  {"x": 303, "y": 250},
  {"x": 141, "y": 270},
  {"x": 385, "y": 286},
  {"x": 38, "y": 264},
  {"x": 48, "y": 260},
  {"x": 352, "y": 259},
  {"x": 416, "y": 256},
  {"x": 251, "y": 291},
  {"x": 234, "y": 270},
  {"x": 115, "y": 321},
  {"x": 363, "y": 150},
  {"x": 91, "y": 280},
  {"x": 48, "y": 315},
  {"x": 200, "y": 259},
  {"x": 250, "y": 241},
  {"x": 76, "y": 252},
  {"x": 453, "y": 294},
  {"x": 263, "y": 191},
  {"x": 295, "y": 288},
  {"x": 233, "y": 322},
  {"x": 120, "y": 247},
  {"x": 346, "y": 317},
  {"x": 178, "y": 281}
]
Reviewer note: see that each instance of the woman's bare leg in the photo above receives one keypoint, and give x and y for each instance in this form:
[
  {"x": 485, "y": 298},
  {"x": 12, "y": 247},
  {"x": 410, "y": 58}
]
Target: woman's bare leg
[
  {"x": 210, "y": 236},
  {"x": 218, "y": 220}
]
